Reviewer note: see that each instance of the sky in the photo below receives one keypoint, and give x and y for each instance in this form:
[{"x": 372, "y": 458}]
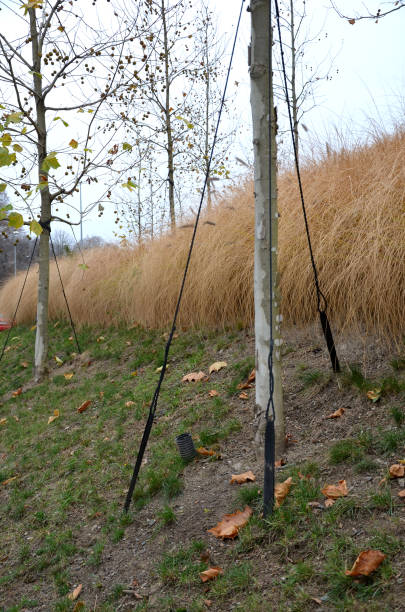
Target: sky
[{"x": 367, "y": 88}]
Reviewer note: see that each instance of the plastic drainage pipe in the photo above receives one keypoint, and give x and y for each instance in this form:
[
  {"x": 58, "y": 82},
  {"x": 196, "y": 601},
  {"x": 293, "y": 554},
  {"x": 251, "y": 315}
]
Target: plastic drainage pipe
[{"x": 186, "y": 447}]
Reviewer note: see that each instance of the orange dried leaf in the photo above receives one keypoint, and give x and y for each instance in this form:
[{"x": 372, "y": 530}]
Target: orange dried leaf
[
  {"x": 218, "y": 365},
  {"x": 243, "y": 396},
  {"x": 213, "y": 393},
  {"x": 3, "y": 421},
  {"x": 231, "y": 523},
  {"x": 194, "y": 377},
  {"x": 211, "y": 573},
  {"x": 281, "y": 491},
  {"x": 401, "y": 494},
  {"x": 129, "y": 404},
  {"x": 335, "y": 415},
  {"x": 397, "y": 471},
  {"x": 68, "y": 375},
  {"x": 244, "y": 385},
  {"x": 279, "y": 463},
  {"x": 54, "y": 416},
  {"x": 75, "y": 593},
  {"x": 79, "y": 605},
  {"x": 329, "y": 502},
  {"x": 289, "y": 439},
  {"x": 252, "y": 376},
  {"x": 205, "y": 451},
  {"x": 6, "y": 482},
  {"x": 84, "y": 406},
  {"x": 335, "y": 491},
  {"x": 17, "y": 392},
  {"x": 241, "y": 478},
  {"x": 366, "y": 563},
  {"x": 24, "y": 364}
]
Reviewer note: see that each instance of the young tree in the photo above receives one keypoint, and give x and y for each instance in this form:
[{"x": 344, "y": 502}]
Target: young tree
[{"x": 60, "y": 65}]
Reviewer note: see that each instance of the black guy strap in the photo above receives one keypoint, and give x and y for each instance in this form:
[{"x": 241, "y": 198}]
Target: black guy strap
[{"x": 327, "y": 332}]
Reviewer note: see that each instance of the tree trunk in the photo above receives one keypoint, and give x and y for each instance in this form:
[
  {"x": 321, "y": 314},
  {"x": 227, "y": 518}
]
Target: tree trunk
[
  {"x": 41, "y": 338},
  {"x": 262, "y": 109},
  {"x": 169, "y": 135}
]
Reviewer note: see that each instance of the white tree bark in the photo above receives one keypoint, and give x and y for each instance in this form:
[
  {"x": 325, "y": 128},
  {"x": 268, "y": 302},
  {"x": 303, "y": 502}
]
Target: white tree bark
[{"x": 262, "y": 111}]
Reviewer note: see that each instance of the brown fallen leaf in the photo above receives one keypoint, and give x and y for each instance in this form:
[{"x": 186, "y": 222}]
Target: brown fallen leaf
[
  {"x": 55, "y": 415},
  {"x": 397, "y": 471},
  {"x": 279, "y": 463},
  {"x": 401, "y": 461},
  {"x": 374, "y": 395},
  {"x": 3, "y": 421},
  {"x": 208, "y": 602},
  {"x": 335, "y": 415},
  {"x": 205, "y": 451},
  {"x": 129, "y": 404},
  {"x": 17, "y": 392},
  {"x": 231, "y": 523},
  {"x": 366, "y": 563},
  {"x": 252, "y": 376},
  {"x": 68, "y": 375},
  {"x": 213, "y": 393},
  {"x": 329, "y": 502},
  {"x": 84, "y": 406},
  {"x": 211, "y": 573},
  {"x": 79, "y": 605},
  {"x": 215, "y": 367},
  {"x": 16, "y": 418},
  {"x": 335, "y": 491},
  {"x": 6, "y": 482},
  {"x": 75, "y": 593},
  {"x": 281, "y": 491},
  {"x": 401, "y": 494},
  {"x": 241, "y": 478},
  {"x": 244, "y": 385},
  {"x": 24, "y": 364},
  {"x": 194, "y": 377},
  {"x": 289, "y": 439},
  {"x": 243, "y": 396}
]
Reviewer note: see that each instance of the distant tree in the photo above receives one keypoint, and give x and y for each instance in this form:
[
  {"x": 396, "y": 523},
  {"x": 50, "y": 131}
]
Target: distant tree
[{"x": 62, "y": 63}]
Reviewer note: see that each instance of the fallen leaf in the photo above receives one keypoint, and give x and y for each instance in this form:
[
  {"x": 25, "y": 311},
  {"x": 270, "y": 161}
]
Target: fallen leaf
[
  {"x": 24, "y": 364},
  {"x": 329, "y": 502},
  {"x": 243, "y": 396},
  {"x": 17, "y": 392},
  {"x": 79, "y": 605},
  {"x": 244, "y": 385},
  {"x": 129, "y": 404},
  {"x": 100, "y": 339},
  {"x": 335, "y": 491},
  {"x": 6, "y": 482},
  {"x": 241, "y": 478},
  {"x": 205, "y": 451},
  {"x": 281, "y": 491},
  {"x": 101, "y": 394},
  {"x": 135, "y": 373},
  {"x": 402, "y": 461},
  {"x": 252, "y": 376},
  {"x": 374, "y": 395},
  {"x": 279, "y": 463},
  {"x": 401, "y": 494},
  {"x": 289, "y": 439},
  {"x": 75, "y": 593},
  {"x": 33, "y": 328},
  {"x": 317, "y": 600},
  {"x": 54, "y": 416},
  {"x": 211, "y": 573},
  {"x": 16, "y": 417},
  {"x": 84, "y": 406},
  {"x": 213, "y": 393},
  {"x": 128, "y": 342},
  {"x": 161, "y": 368},
  {"x": 194, "y": 377},
  {"x": 68, "y": 375},
  {"x": 218, "y": 365},
  {"x": 397, "y": 471},
  {"x": 58, "y": 360},
  {"x": 231, "y": 523},
  {"x": 208, "y": 602},
  {"x": 366, "y": 563},
  {"x": 335, "y": 415},
  {"x": 3, "y": 421}
]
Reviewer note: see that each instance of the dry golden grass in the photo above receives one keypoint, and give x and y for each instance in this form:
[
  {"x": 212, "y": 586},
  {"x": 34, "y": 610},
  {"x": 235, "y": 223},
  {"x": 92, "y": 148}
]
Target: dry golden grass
[{"x": 356, "y": 210}]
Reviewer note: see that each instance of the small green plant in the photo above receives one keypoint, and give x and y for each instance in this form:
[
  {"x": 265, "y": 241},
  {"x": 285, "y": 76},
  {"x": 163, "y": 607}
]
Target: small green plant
[
  {"x": 398, "y": 414},
  {"x": 382, "y": 500},
  {"x": 167, "y": 515},
  {"x": 309, "y": 378},
  {"x": 353, "y": 377},
  {"x": 96, "y": 554},
  {"x": 345, "y": 450},
  {"x": 248, "y": 495},
  {"x": 182, "y": 566},
  {"x": 365, "y": 465}
]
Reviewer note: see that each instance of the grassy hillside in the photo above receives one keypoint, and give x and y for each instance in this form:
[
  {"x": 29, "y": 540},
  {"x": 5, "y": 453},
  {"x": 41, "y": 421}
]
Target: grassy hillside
[
  {"x": 355, "y": 201},
  {"x": 63, "y": 480}
]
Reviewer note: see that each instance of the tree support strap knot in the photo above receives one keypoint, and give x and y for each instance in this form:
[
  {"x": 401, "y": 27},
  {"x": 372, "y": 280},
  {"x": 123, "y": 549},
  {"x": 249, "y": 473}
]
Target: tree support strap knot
[{"x": 46, "y": 225}]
